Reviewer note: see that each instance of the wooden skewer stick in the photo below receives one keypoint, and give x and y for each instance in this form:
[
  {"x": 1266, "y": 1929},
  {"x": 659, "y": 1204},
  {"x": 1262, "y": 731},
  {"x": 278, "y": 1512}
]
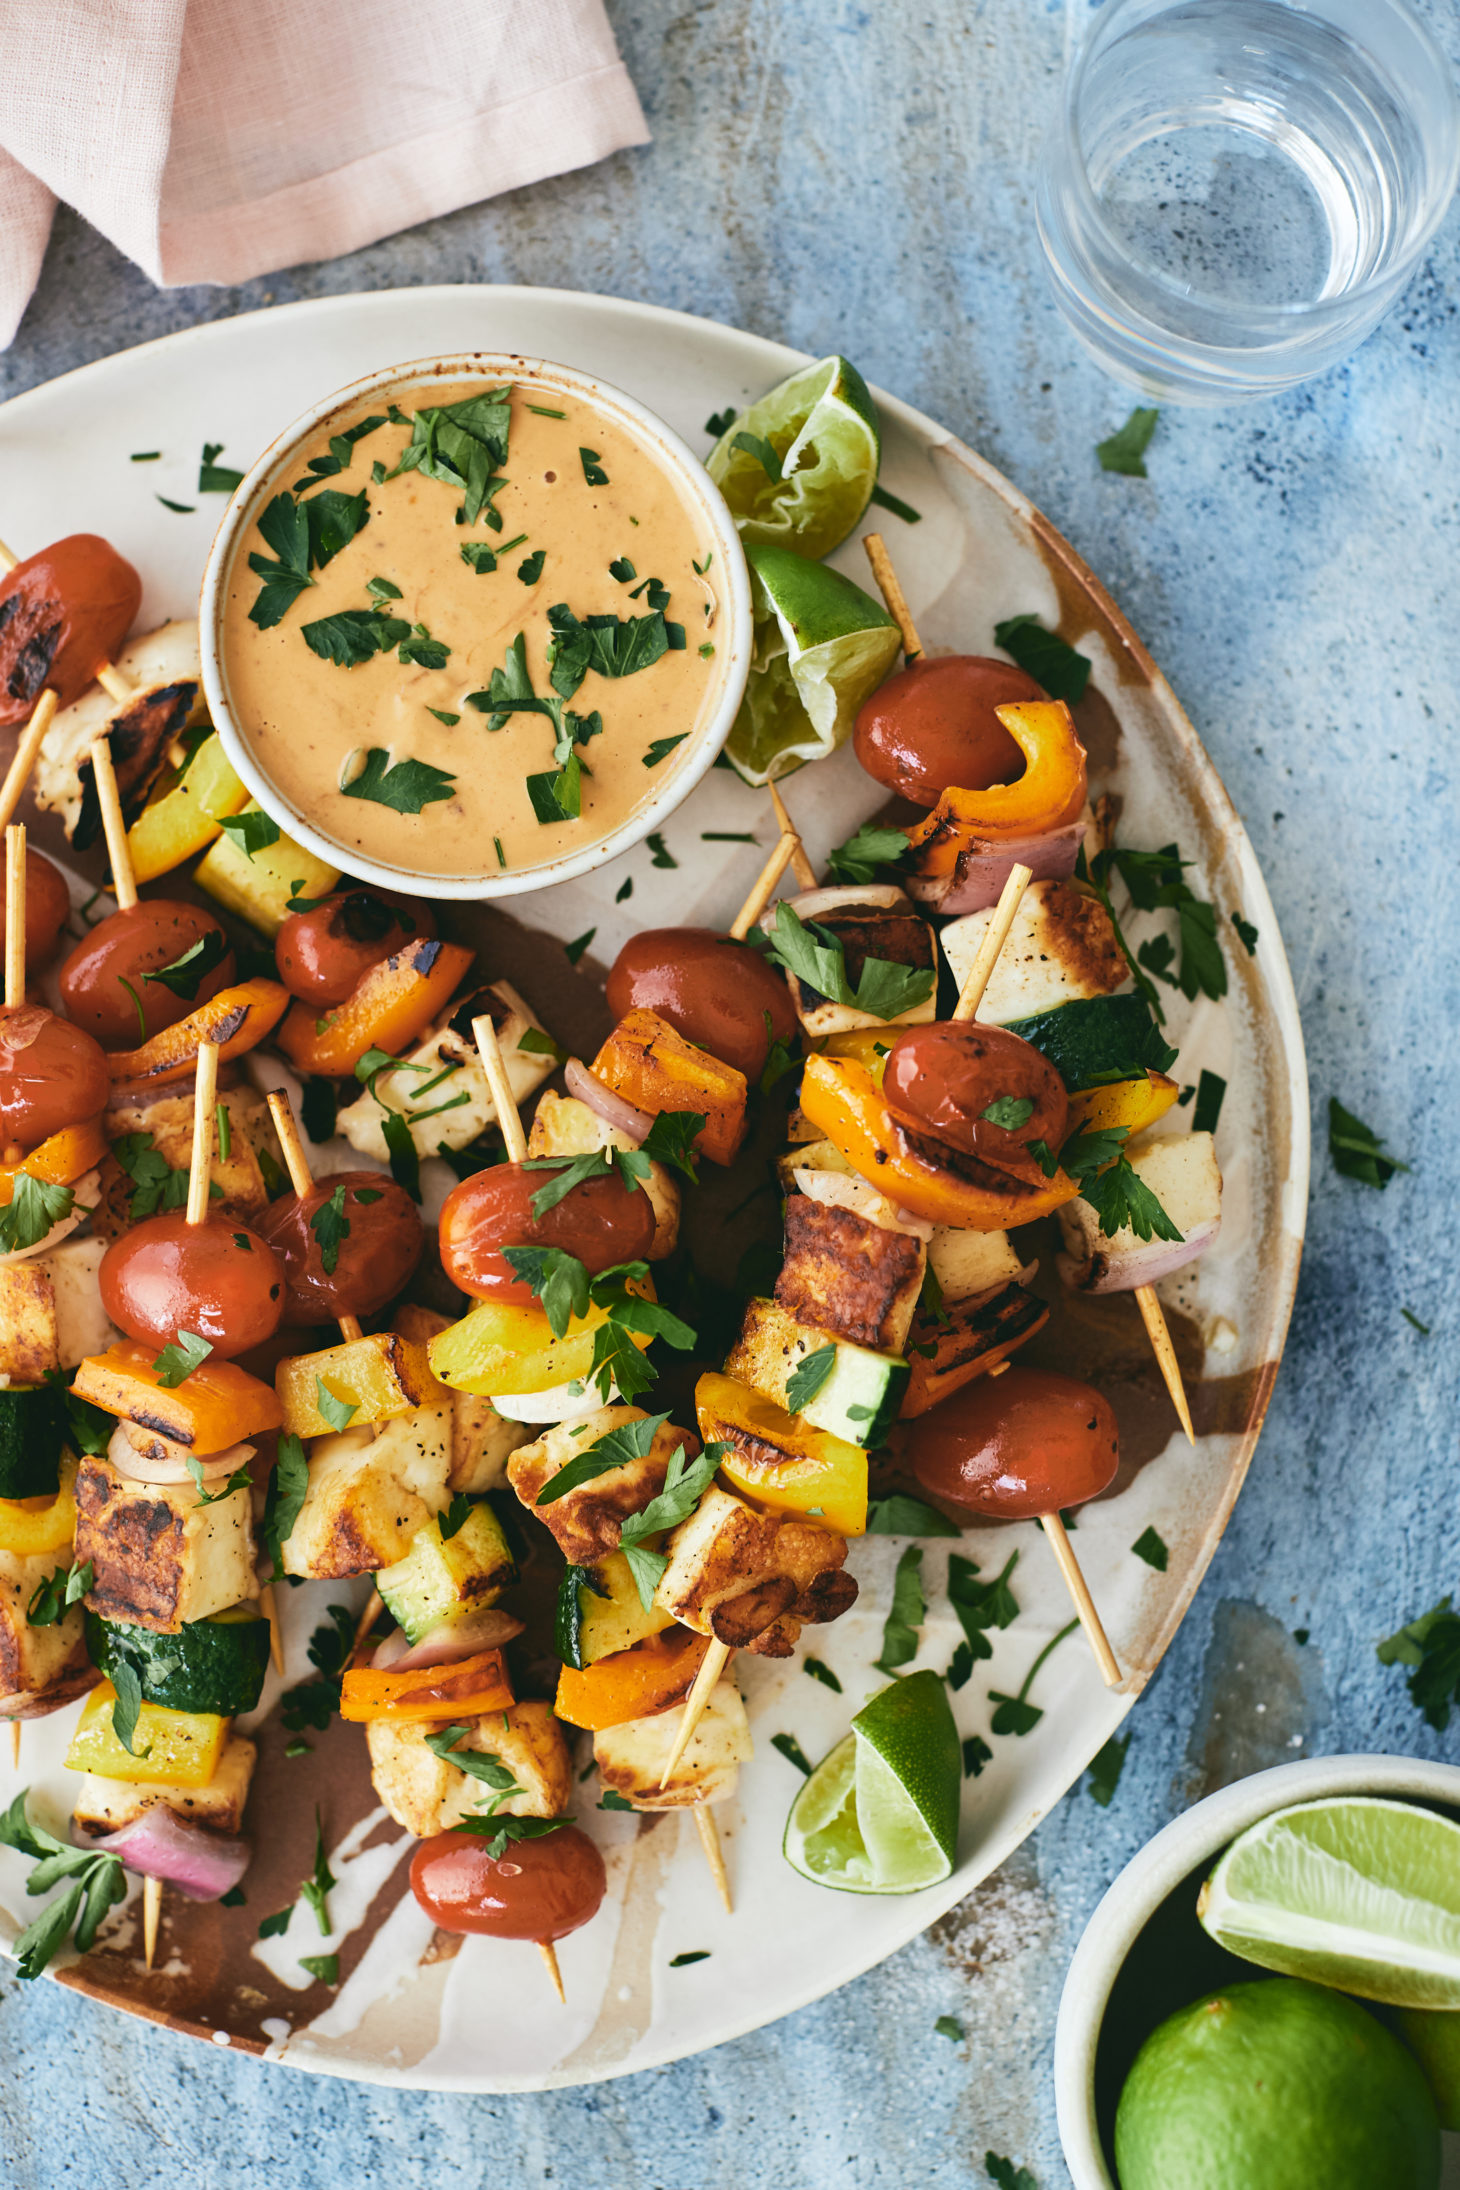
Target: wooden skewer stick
[
  {"x": 970, "y": 996},
  {"x": 704, "y": 1818},
  {"x": 27, "y": 747},
  {"x": 14, "y": 917},
  {"x": 891, "y": 590},
  {"x": 1084, "y": 1603},
  {"x": 15, "y": 1743},
  {"x": 151, "y": 1915},
  {"x": 549, "y": 1955},
  {"x": 124, "y": 886},
  {"x": 111, "y": 680},
  {"x": 1154, "y": 1319},
  {"x": 765, "y": 884},
  {"x": 801, "y": 866},
  {"x": 489, "y": 1049},
  {"x": 696, "y": 1703}
]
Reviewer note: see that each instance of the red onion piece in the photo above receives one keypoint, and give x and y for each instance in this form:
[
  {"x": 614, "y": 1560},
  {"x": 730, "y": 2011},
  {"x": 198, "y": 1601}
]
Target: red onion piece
[
  {"x": 443, "y": 1645},
  {"x": 201, "y": 1864},
  {"x": 1144, "y": 1264},
  {"x": 611, "y": 1108},
  {"x": 171, "y": 1464},
  {"x": 983, "y": 869},
  {"x": 815, "y": 904}
]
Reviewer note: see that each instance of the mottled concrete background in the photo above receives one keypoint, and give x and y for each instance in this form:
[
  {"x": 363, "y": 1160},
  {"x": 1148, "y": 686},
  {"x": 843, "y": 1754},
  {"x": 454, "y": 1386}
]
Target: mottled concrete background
[{"x": 861, "y": 178}]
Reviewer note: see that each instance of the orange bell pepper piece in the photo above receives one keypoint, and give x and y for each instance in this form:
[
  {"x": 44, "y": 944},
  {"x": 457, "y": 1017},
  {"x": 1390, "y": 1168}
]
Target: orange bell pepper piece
[
  {"x": 1049, "y": 795},
  {"x": 464, "y": 1689},
  {"x": 389, "y": 1007},
  {"x": 237, "y": 1019},
  {"x": 652, "y": 1066},
  {"x": 60, "y": 1161},
  {"x": 218, "y": 1405},
  {"x": 632, "y": 1684},
  {"x": 840, "y": 1097}
]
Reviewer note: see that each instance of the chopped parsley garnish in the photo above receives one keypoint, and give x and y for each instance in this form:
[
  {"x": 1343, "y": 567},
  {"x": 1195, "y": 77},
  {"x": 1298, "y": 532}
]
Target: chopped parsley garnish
[
  {"x": 275, "y": 1926},
  {"x": 728, "y": 836},
  {"x": 976, "y": 1754},
  {"x": 1009, "y": 1112},
  {"x": 541, "y": 410},
  {"x": 808, "y": 1376},
  {"x": 223, "y": 1128},
  {"x": 215, "y": 478},
  {"x": 240, "y": 1479},
  {"x": 251, "y": 832},
  {"x": 1006, "y": 2175},
  {"x": 909, "y": 1609},
  {"x": 614, "y": 646},
  {"x": 719, "y": 423},
  {"x": 763, "y": 451},
  {"x": 529, "y": 570},
  {"x": 948, "y": 2026},
  {"x": 326, "y": 1967},
  {"x": 155, "y": 1183},
  {"x": 818, "y": 959},
  {"x": 1016, "y": 1714},
  {"x": 684, "y": 1486},
  {"x": 1430, "y": 1647},
  {"x": 865, "y": 857},
  {"x": 1045, "y": 656},
  {"x": 822, "y": 1673},
  {"x": 593, "y": 471},
  {"x": 624, "y": 890},
  {"x": 35, "y": 1206},
  {"x": 176, "y": 1363},
  {"x": 574, "y": 951},
  {"x": 95, "y": 1882},
  {"x": 1247, "y": 933},
  {"x": 662, "y": 747},
  {"x": 405, "y": 788},
  {"x": 145, "y": 456},
  {"x": 1124, "y": 450},
  {"x": 1155, "y": 881},
  {"x": 284, "y": 1502},
  {"x": 1357, "y": 1152},
  {"x": 793, "y": 1752},
  {"x": 185, "y": 976},
  {"x": 341, "y": 454},
  {"x": 443, "y": 714},
  {"x": 898, "y": 507},
  {"x": 694, "y": 1954},
  {"x": 622, "y": 569},
  {"x": 1413, "y": 1320},
  {"x": 463, "y": 445},
  {"x": 313, "y": 1703},
  {"x": 900, "y": 1515},
  {"x": 1105, "y": 1769},
  {"x": 663, "y": 857},
  {"x": 182, "y": 509},
  {"x": 127, "y": 1706},
  {"x": 318, "y": 1885},
  {"x": 339, "y": 1413},
  {"x": 1211, "y": 1089},
  {"x": 979, "y": 1605},
  {"x": 557, "y": 793},
  {"x": 62, "y": 1588},
  {"x": 1151, "y": 1547},
  {"x": 1122, "y": 1200},
  {"x": 285, "y": 528}
]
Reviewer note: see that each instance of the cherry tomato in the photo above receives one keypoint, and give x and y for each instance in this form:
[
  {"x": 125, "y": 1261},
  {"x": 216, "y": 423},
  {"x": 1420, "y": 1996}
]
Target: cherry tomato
[
  {"x": 47, "y": 907},
  {"x": 536, "y": 1889},
  {"x": 717, "y": 992},
  {"x": 932, "y": 727},
  {"x": 601, "y": 1221},
  {"x": 108, "y": 976},
  {"x": 51, "y": 1075},
  {"x": 327, "y": 1275},
  {"x": 943, "y": 1079},
  {"x": 1016, "y": 1445},
  {"x": 321, "y": 955},
  {"x": 215, "y": 1279},
  {"x": 63, "y": 613}
]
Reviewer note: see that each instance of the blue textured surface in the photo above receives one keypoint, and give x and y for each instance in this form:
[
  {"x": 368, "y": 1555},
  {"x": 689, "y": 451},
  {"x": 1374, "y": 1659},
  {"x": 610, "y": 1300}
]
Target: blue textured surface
[{"x": 861, "y": 178}]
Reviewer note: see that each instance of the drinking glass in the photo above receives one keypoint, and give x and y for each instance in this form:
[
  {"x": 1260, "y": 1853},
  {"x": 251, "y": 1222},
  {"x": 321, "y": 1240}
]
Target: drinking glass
[{"x": 1236, "y": 191}]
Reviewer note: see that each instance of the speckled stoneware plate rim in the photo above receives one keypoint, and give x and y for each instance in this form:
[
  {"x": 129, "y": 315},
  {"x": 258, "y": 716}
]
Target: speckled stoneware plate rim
[
  {"x": 1195, "y": 1838},
  {"x": 981, "y": 537},
  {"x": 491, "y": 368}
]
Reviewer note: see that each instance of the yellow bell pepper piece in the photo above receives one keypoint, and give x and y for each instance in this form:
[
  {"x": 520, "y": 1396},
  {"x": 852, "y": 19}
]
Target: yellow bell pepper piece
[
  {"x": 866, "y": 1046},
  {"x": 258, "y": 889},
  {"x": 29, "y": 1526},
  {"x": 380, "y": 1375},
  {"x": 503, "y": 1348},
  {"x": 1135, "y": 1104},
  {"x": 182, "y": 1747},
  {"x": 187, "y": 817},
  {"x": 779, "y": 1460}
]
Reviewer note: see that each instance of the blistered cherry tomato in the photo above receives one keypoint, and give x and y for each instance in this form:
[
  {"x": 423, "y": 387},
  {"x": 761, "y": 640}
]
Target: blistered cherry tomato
[
  {"x": 321, "y": 955},
  {"x": 601, "y": 1221},
  {"x": 352, "y": 1259},
  {"x": 536, "y": 1889},
  {"x": 51, "y": 1075},
  {"x": 942, "y": 1080},
  {"x": 215, "y": 1279},
  {"x": 717, "y": 992},
  {"x": 106, "y": 978},
  {"x": 1016, "y": 1445},
  {"x": 932, "y": 727},
  {"x": 63, "y": 613},
  {"x": 47, "y": 904}
]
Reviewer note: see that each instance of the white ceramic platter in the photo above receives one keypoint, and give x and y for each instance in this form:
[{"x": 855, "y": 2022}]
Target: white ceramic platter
[{"x": 484, "y": 2019}]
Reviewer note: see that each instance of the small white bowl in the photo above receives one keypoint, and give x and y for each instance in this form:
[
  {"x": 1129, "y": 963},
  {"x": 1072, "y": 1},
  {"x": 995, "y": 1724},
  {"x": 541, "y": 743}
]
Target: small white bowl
[
  {"x": 734, "y": 630},
  {"x": 1188, "y": 1842}
]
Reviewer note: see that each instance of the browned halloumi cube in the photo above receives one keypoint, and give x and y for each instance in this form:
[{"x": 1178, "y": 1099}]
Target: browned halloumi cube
[
  {"x": 750, "y": 1579},
  {"x": 631, "y": 1757},
  {"x": 586, "y": 1521},
  {"x": 169, "y": 1120},
  {"x": 106, "y": 1805},
  {"x": 82, "y": 1324},
  {"x": 481, "y": 1439},
  {"x": 429, "y": 1794},
  {"x": 34, "y": 1660},
  {"x": 28, "y": 1332},
  {"x": 845, "y": 1274},
  {"x": 367, "y": 1495},
  {"x": 158, "y": 1557}
]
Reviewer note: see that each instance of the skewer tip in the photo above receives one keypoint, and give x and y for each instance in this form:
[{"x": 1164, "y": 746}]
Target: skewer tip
[
  {"x": 549, "y": 1955},
  {"x": 151, "y": 1914},
  {"x": 1154, "y": 1318},
  {"x": 15, "y": 1743},
  {"x": 704, "y": 1818}
]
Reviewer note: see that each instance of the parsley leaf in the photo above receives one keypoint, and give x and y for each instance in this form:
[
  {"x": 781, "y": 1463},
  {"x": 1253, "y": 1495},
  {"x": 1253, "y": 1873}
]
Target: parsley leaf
[
  {"x": 331, "y": 1228},
  {"x": 274, "y": 1927},
  {"x": 1009, "y": 1111},
  {"x": 1105, "y": 1768},
  {"x": 215, "y": 478},
  {"x": 1124, "y": 450},
  {"x": 557, "y": 1278},
  {"x": 1430, "y": 1646},
  {"x": 631, "y": 1164},
  {"x": 176, "y": 1363},
  {"x": 980, "y": 1605},
  {"x": 898, "y": 507},
  {"x": 670, "y": 1140},
  {"x": 901, "y": 1515},
  {"x": 947, "y": 2026},
  {"x": 1045, "y": 656},
  {"x": 462, "y": 445},
  {"x": 684, "y": 1486},
  {"x": 822, "y": 1673},
  {"x": 1156, "y": 882},
  {"x": 318, "y": 1884},
  {"x": 313, "y": 1703},
  {"x": 354, "y": 635},
  {"x": 808, "y": 1376},
  {"x": 793, "y": 1752},
  {"x": 1247, "y": 933},
  {"x": 326, "y": 1967},
  {"x": 285, "y": 528},
  {"x": 976, "y": 1754},
  {"x": 752, "y": 444},
  {"x": 629, "y": 1441},
  {"x": 529, "y": 570},
  {"x": 1151, "y": 1547},
  {"x": 718, "y": 423},
  {"x": 864, "y": 857},
  {"x": 613, "y": 646},
  {"x": 1211, "y": 1088},
  {"x": 661, "y": 747},
  {"x": 909, "y": 1609},
  {"x": 1356, "y": 1150},
  {"x": 285, "y": 1499},
  {"x": 406, "y": 788},
  {"x": 339, "y": 1413},
  {"x": 818, "y": 959},
  {"x": 1006, "y": 2175},
  {"x": 127, "y": 1682},
  {"x": 1121, "y": 1198},
  {"x": 593, "y": 471},
  {"x": 613, "y": 1800},
  {"x": 251, "y": 832},
  {"x": 240, "y": 1479},
  {"x": 1016, "y": 1714},
  {"x": 53, "y": 1599},
  {"x": 28, "y": 1216},
  {"x": 185, "y": 976},
  {"x": 97, "y": 1883}
]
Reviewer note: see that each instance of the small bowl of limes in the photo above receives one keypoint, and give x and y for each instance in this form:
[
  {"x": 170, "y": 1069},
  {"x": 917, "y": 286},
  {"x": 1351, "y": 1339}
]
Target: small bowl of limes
[{"x": 1268, "y": 1997}]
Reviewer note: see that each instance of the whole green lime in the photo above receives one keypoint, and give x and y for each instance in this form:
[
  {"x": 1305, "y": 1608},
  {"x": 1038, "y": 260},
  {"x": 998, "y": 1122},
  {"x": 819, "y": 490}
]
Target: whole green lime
[
  {"x": 1278, "y": 2085},
  {"x": 1435, "y": 2037}
]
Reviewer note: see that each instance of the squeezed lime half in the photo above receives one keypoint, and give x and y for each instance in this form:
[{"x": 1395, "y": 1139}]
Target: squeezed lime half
[
  {"x": 822, "y": 646},
  {"x": 880, "y": 1813},
  {"x": 820, "y": 429}
]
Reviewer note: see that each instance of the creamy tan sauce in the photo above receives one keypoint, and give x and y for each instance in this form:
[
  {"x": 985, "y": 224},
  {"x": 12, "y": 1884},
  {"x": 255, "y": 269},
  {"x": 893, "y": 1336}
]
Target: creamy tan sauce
[{"x": 312, "y": 723}]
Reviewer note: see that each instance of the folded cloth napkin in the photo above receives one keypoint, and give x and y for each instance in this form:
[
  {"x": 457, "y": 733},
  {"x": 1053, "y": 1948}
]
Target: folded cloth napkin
[{"x": 213, "y": 140}]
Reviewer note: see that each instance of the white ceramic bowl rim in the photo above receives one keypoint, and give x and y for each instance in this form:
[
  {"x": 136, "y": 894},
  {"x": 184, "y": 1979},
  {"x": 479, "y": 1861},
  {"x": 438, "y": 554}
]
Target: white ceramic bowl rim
[
  {"x": 1155, "y": 1871},
  {"x": 734, "y": 628}
]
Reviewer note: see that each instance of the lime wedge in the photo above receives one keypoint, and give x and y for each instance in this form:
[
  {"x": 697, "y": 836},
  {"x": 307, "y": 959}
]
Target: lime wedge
[
  {"x": 819, "y": 429},
  {"x": 880, "y": 1814},
  {"x": 822, "y": 647},
  {"x": 1354, "y": 1892}
]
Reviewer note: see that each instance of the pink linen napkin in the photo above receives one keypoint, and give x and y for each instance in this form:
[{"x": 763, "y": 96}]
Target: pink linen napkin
[{"x": 213, "y": 140}]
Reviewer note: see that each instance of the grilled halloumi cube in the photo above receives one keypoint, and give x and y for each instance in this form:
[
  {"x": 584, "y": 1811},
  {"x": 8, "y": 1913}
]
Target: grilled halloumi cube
[
  {"x": 158, "y": 1556},
  {"x": 585, "y": 1522},
  {"x": 562, "y": 1126},
  {"x": 750, "y": 1579},
  {"x": 35, "y": 1659},
  {"x": 481, "y": 1439},
  {"x": 164, "y": 667},
  {"x": 631, "y": 1757},
  {"x": 1182, "y": 1172},
  {"x": 28, "y": 1336},
  {"x": 106, "y": 1805},
  {"x": 871, "y": 922},
  {"x": 845, "y": 1274},
  {"x": 447, "y": 1059},
  {"x": 428, "y": 1794},
  {"x": 367, "y": 1495},
  {"x": 965, "y": 1263},
  {"x": 82, "y": 1324},
  {"x": 1061, "y": 947},
  {"x": 168, "y": 1119}
]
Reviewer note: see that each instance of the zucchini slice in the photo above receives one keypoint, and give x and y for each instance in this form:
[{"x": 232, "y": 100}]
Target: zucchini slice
[
  {"x": 32, "y": 1434},
  {"x": 448, "y": 1579},
  {"x": 1098, "y": 1038},
  {"x": 215, "y": 1666}
]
